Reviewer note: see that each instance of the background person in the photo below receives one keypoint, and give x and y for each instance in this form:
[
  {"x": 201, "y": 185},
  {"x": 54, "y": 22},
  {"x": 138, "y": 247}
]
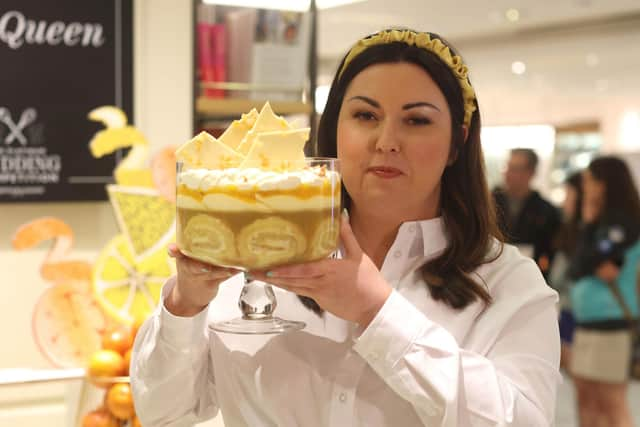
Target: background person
[
  {"x": 607, "y": 252},
  {"x": 564, "y": 245},
  {"x": 525, "y": 217}
]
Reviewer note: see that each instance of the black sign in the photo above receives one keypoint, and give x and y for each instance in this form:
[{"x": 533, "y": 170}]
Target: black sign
[{"x": 58, "y": 61}]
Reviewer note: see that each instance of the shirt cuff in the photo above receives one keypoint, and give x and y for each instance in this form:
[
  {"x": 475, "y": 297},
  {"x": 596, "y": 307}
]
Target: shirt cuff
[
  {"x": 391, "y": 333},
  {"x": 181, "y": 332}
]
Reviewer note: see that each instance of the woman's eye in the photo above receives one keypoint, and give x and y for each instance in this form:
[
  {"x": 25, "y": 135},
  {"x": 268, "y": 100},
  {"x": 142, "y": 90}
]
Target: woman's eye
[
  {"x": 364, "y": 115},
  {"x": 418, "y": 121}
]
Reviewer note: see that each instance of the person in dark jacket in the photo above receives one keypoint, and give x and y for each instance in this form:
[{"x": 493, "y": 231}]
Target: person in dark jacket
[{"x": 526, "y": 219}]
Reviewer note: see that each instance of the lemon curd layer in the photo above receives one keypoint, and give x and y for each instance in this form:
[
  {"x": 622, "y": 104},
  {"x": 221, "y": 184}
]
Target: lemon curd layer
[{"x": 254, "y": 189}]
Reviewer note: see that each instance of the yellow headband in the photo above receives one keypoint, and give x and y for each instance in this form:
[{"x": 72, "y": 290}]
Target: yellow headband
[{"x": 423, "y": 41}]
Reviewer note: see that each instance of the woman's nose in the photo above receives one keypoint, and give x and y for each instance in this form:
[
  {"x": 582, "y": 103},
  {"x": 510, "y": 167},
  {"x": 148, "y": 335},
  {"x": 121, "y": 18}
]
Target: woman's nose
[{"x": 388, "y": 140}]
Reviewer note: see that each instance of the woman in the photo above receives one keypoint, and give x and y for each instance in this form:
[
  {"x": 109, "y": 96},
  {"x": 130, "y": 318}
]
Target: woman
[
  {"x": 606, "y": 256},
  {"x": 426, "y": 319},
  {"x": 564, "y": 245}
]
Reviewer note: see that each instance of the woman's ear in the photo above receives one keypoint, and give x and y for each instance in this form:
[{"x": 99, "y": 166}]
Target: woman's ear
[
  {"x": 457, "y": 141},
  {"x": 465, "y": 133}
]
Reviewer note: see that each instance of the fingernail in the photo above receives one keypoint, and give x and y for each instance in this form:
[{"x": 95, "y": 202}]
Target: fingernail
[{"x": 345, "y": 213}]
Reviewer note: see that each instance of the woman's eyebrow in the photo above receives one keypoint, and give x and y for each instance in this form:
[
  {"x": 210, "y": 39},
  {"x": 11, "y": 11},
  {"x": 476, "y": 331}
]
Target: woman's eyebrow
[
  {"x": 409, "y": 106},
  {"x": 368, "y": 100},
  {"x": 419, "y": 104}
]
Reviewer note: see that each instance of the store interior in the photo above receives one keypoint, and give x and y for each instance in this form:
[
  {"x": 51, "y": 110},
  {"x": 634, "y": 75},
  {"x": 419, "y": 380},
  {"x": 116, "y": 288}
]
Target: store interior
[{"x": 557, "y": 77}]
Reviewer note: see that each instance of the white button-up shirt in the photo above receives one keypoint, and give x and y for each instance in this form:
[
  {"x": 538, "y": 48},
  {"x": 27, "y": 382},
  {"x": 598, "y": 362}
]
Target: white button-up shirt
[{"x": 419, "y": 362}]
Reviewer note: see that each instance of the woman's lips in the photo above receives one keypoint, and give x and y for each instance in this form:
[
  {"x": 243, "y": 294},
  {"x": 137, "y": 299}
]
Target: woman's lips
[{"x": 385, "y": 172}]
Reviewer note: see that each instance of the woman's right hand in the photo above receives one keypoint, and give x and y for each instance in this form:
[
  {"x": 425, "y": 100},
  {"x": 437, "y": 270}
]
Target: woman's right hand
[{"x": 196, "y": 284}]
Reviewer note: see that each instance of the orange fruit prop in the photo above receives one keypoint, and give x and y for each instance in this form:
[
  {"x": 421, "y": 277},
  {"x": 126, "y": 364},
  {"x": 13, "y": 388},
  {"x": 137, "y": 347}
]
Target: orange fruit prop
[
  {"x": 138, "y": 321},
  {"x": 120, "y": 401},
  {"x": 67, "y": 324},
  {"x": 64, "y": 270},
  {"x": 119, "y": 340},
  {"x": 163, "y": 172},
  {"x": 106, "y": 363},
  {"x": 66, "y": 320},
  {"x": 127, "y": 360},
  {"x": 100, "y": 418},
  {"x": 54, "y": 268},
  {"x": 37, "y": 231}
]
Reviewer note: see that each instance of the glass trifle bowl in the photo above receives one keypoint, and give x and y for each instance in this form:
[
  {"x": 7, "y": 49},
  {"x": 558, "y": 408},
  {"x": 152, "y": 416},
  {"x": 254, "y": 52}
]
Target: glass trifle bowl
[{"x": 254, "y": 218}]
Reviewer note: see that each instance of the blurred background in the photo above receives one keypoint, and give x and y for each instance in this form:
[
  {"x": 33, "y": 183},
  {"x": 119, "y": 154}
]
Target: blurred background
[{"x": 559, "y": 77}]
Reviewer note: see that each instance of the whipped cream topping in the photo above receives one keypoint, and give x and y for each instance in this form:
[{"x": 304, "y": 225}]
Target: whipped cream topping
[{"x": 253, "y": 179}]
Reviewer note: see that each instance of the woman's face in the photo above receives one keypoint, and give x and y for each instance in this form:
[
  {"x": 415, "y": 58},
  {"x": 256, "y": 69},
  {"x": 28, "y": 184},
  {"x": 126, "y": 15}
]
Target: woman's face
[
  {"x": 394, "y": 140},
  {"x": 593, "y": 196}
]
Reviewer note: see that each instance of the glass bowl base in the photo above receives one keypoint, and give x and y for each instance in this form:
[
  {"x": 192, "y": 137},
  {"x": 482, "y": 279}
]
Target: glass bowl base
[{"x": 270, "y": 325}]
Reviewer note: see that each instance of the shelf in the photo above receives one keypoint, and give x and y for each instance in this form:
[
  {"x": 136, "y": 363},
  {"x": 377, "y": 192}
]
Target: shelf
[
  {"x": 232, "y": 107},
  {"x": 20, "y": 376}
]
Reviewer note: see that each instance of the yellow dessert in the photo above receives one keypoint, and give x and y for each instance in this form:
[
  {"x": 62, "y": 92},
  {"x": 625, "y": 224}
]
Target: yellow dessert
[{"x": 257, "y": 203}]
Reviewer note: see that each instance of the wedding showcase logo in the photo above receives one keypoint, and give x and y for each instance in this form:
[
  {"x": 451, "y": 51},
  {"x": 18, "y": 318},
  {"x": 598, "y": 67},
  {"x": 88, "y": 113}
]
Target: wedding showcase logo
[
  {"x": 17, "y": 30},
  {"x": 23, "y": 156},
  {"x": 16, "y": 130}
]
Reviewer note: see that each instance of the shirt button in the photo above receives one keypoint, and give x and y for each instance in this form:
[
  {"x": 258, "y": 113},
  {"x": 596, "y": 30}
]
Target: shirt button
[
  {"x": 397, "y": 254},
  {"x": 342, "y": 397}
]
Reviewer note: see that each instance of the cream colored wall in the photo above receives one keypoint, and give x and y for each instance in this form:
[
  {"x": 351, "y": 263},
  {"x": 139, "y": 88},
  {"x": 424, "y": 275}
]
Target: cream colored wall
[{"x": 163, "y": 111}]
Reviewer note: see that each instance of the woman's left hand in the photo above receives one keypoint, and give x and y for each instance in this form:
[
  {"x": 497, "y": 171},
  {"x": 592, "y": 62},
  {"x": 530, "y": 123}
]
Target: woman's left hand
[{"x": 351, "y": 288}]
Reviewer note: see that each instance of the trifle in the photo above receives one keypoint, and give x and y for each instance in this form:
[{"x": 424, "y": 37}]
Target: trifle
[{"x": 252, "y": 200}]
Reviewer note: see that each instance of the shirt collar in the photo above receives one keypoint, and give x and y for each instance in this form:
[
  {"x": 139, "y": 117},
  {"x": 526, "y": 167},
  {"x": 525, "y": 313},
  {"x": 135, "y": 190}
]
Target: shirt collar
[{"x": 429, "y": 236}]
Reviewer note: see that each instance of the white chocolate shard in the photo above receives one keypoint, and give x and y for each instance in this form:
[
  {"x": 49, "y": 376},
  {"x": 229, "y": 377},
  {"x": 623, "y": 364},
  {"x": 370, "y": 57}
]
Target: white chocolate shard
[{"x": 278, "y": 151}]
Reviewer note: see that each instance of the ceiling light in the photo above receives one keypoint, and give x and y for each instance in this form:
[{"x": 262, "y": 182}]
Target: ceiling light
[
  {"x": 518, "y": 67},
  {"x": 512, "y": 15},
  {"x": 592, "y": 60},
  {"x": 582, "y": 160},
  {"x": 293, "y": 5}
]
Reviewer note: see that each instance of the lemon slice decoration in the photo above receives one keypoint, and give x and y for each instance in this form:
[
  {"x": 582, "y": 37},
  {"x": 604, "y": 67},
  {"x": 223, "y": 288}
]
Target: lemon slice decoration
[
  {"x": 147, "y": 219},
  {"x": 109, "y": 115},
  {"x": 133, "y": 170},
  {"x": 127, "y": 290}
]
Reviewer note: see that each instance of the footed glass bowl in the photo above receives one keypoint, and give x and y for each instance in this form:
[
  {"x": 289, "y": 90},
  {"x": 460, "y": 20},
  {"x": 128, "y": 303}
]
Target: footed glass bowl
[{"x": 253, "y": 219}]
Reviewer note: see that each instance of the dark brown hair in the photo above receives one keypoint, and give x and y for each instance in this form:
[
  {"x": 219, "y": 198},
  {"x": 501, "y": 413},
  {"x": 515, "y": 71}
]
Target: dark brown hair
[
  {"x": 567, "y": 236},
  {"x": 621, "y": 194},
  {"x": 466, "y": 205},
  {"x": 531, "y": 156}
]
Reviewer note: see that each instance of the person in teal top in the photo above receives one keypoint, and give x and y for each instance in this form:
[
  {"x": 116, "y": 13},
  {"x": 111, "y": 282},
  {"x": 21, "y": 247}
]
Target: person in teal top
[
  {"x": 606, "y": 255},
  {"x": 592, "y": 300}
]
